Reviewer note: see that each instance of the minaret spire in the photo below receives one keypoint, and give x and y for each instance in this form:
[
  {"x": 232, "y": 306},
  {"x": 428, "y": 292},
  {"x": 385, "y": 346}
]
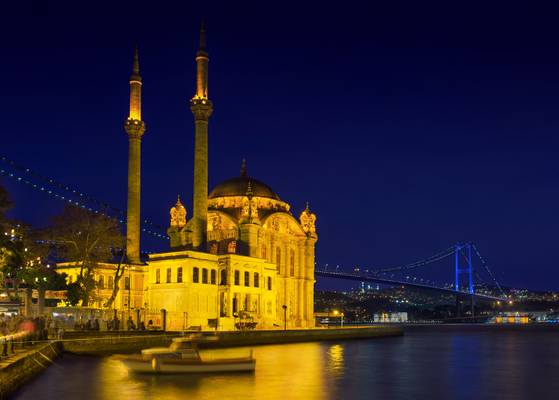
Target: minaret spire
[
  {"x": 135, "y": 129},
  {"x": 135, "y": 89},
  {"x": 202, "y": 109},
  {"x": 202, "y": 59},
  {"x": 202, "y": 45},
  {"x": 136, "y": 65}
]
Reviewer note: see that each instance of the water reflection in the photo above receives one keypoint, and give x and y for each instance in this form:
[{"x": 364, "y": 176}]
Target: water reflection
[
  {"x": 434, "y": 365},
  {"x": 336, "y": 359}
]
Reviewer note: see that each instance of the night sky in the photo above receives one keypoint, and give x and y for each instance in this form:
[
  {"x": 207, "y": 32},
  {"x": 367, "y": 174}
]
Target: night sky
[{"x": 407, "y": 129}]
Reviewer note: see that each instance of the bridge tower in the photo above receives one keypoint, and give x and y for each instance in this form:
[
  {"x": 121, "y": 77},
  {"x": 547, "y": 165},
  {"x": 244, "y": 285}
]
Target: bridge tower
[{"x": 463, "y": 266}]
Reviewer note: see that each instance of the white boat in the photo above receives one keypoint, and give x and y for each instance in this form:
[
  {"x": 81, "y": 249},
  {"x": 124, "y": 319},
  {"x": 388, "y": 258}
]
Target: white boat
[{"x": 181, "y": 357}]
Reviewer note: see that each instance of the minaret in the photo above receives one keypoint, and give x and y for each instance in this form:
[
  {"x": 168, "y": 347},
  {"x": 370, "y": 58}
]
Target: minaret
[
  {"x": 135, "y": 129},
  {"x": 201, "y": 108}
]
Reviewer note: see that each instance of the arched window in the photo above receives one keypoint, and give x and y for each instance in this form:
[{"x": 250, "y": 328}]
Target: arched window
[
  {"x": 179, "y": 274},
  {"x": 223, "y": 280},
  {"x": 291, "y": 262},
  {"x": 126, "y": 283},
  {"x": 237, "y": 278},
  {"x": 264, "y": 251},
  {"x": 278, "y": 257},
  {"x": 269, "y": 283},
  {"x": 111, "y": 283},
  {"x": 195, "y": 275},
  {"x": 157, "y": 276},
  {"x": 256, "y": 280},
  {"x": 101, "y": 282},
  {"x": 204, "y": 275},
  {"x": 168, "y": 275},
  {"x": 212, "y": 276},
  {"x": 247, "y": 278}
]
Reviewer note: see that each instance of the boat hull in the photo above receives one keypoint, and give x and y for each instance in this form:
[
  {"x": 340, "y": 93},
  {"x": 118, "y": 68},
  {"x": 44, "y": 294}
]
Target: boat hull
[{"x": 161, "y": 366}]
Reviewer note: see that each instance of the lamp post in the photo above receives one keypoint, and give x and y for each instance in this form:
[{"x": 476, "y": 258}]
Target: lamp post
[
  {"x": 284, "y": 317},
  {"x": 336, "y": 313}
]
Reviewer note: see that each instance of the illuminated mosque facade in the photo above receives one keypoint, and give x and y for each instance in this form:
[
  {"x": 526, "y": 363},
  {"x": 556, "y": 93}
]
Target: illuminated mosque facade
[{"x": 241, "y": 254}]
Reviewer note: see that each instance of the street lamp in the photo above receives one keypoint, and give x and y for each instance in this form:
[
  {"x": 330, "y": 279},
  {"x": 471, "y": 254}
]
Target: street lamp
[{"x": 341, "y": 315}]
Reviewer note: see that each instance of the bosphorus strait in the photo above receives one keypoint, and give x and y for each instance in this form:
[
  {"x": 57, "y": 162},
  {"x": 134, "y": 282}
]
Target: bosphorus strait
[{"x": 439, "y": 362}]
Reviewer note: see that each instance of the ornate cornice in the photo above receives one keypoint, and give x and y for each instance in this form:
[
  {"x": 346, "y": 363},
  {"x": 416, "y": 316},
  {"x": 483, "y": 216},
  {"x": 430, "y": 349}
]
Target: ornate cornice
[
  {"x": 201, "y": 108},
  {"x": 134, "y": 128}
]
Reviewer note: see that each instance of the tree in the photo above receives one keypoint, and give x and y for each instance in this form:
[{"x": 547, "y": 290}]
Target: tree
[
  {"x": 24, "y": 258},
  {"x": 116, "y": 282},
  {"x": 5, "y": 205},
  {"x": 86, "y": 239},
  {"x": 25, "y": 262}
]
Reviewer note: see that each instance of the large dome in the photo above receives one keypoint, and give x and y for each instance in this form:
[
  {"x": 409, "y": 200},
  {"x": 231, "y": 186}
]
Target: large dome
[{"x": 238, "y": 187}]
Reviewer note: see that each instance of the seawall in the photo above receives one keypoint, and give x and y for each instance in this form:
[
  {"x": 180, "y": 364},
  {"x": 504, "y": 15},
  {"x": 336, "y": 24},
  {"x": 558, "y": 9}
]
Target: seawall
[
  {"x": 114, "y": 342},
  {"x": 19, "y": 368},
  {"x": 107, "y": 344}
]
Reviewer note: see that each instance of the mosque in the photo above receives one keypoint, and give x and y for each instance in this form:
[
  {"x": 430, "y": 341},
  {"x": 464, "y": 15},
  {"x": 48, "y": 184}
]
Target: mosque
[{"x": 242, "y": 256}]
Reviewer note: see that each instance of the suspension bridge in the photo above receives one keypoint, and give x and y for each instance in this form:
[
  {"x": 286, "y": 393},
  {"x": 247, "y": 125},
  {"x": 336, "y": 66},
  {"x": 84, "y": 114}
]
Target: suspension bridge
[
  {"x": 464, "y": 273},
  {"x": 462, "y": 255}
]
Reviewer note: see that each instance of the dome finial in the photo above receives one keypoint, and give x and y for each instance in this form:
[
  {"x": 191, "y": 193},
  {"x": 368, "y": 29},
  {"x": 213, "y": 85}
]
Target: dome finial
[{"x": 244, "y": 167}]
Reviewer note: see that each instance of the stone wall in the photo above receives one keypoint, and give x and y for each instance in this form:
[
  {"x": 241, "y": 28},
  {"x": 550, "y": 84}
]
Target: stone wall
[
  {"x": 25, "y": 366},
  {"x": 130, "y": 343}
]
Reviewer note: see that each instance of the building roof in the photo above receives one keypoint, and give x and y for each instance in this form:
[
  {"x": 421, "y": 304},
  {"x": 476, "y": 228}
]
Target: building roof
[{"x": 238, "y": 187}]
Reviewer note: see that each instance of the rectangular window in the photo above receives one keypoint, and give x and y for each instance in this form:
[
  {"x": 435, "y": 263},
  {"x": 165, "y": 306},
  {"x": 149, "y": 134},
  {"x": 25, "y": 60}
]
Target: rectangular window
[
  {"x": 269, "y": 283},
  {"x": 101, "y": 282},
  {"x": 223, "y": 280},
  {"x": 111, "y": 282},
  {"x": 247, "y": 278},
  {"x": 213, "y": 277},
  {"x": 256, "y": 280},
  {"x": 127, "y": 283},
  {"x": 157, "y": 276},
  {"x": 195, "y": 275},
  {"x": 168, "y": 275},
  {"x": 179, "y": 274},
  {"x": 237, "y": 278},
  {"x": 204, "y": 275}
]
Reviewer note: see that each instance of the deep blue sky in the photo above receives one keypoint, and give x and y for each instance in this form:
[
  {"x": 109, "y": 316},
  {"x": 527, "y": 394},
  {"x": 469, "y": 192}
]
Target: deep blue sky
[{"x": 407, "y": 129}]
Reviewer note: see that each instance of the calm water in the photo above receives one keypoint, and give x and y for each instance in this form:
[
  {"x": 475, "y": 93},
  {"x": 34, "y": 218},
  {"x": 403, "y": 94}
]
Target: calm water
[{"x": 433, "y": 363}]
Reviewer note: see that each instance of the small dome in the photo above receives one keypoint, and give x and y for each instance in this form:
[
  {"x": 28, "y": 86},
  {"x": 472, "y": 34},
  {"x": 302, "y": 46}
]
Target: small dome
[{"x": 238, "y": 187}]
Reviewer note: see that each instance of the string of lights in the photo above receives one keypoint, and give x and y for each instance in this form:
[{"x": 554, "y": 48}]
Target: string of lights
[
  {"x": 82, "y": 204},
  {"x": 47, "y": 184}
]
